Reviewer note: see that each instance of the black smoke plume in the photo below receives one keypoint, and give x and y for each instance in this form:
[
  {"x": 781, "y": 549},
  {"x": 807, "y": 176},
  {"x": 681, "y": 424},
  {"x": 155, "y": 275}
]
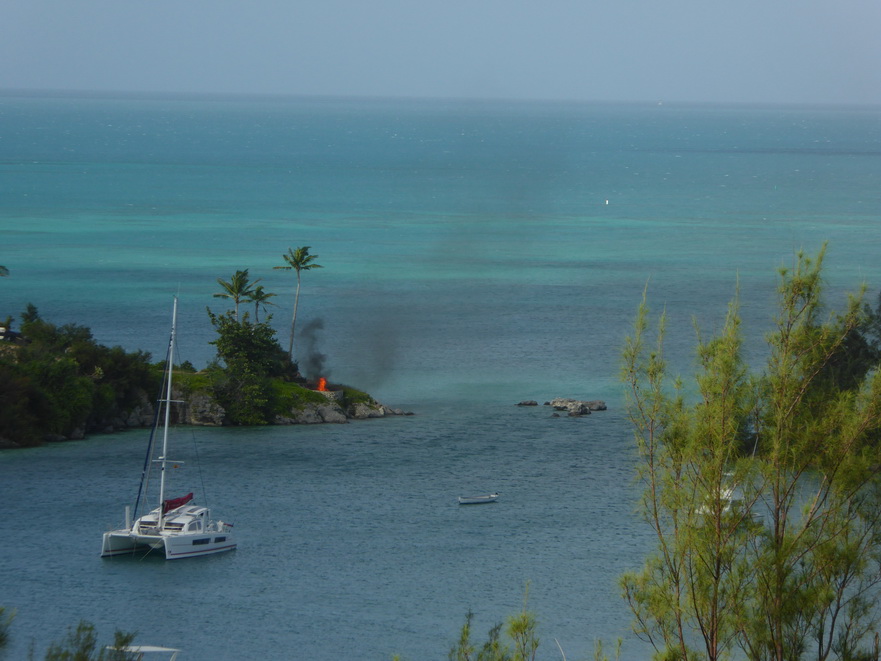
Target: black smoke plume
[{"x": 311, "y": 360}]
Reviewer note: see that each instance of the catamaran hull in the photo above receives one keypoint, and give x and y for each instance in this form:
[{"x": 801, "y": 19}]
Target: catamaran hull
[
  {"x": 123, "y": 542},
  {"x": 191, "y": 546}
]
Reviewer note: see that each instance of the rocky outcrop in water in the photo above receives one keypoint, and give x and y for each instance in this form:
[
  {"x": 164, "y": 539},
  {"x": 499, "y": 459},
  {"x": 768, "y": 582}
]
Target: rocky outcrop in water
[
  {"x": 576, "y": 406},
  {"x": 573, "y": 407}
]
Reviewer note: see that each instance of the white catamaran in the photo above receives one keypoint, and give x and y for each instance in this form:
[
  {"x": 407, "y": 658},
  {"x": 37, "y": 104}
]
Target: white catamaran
[{"x": 176, "y": 527}]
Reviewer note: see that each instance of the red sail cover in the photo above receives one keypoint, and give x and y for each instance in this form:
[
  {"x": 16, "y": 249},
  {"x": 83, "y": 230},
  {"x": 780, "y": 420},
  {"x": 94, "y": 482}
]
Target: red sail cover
[{"x": 174, "y": 503}]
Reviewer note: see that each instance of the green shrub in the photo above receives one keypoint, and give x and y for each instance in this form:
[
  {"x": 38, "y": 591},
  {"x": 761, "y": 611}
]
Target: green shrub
[{"x": 289, "y": 396}]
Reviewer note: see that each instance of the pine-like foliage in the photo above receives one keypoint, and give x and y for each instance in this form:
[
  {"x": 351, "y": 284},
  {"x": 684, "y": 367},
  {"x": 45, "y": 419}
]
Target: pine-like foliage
[{"x": 761, "y": 485}]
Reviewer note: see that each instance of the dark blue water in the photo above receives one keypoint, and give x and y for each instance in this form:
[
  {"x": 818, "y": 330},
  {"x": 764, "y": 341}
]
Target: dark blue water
[
  {"x": 475, "y": 255},
  {"x": 352, "y": 544}
]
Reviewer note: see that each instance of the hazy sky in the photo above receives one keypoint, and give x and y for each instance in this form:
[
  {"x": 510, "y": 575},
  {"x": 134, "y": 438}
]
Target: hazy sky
[{"x": 790, "y": 51}]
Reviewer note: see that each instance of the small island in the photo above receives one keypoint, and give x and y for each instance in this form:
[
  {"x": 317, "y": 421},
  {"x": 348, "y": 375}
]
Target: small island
[{"x": 57, "y": 383}]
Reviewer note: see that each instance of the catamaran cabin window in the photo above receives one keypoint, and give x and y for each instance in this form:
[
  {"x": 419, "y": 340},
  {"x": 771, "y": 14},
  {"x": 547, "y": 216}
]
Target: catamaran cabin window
[
  {"x": 205, "y": 540},
  {"x": 195, "y": 525}
]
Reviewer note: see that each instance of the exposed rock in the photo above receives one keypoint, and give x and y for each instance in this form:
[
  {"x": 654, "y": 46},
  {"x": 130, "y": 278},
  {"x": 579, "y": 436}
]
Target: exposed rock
[
  {"x": 313, "y": 414},
  {"x": 362, "y": 411},
  {"x": 390, "y": 411},
  {"x": 308, "y": 416},
  {"x": 576, "y": 407},
  {"x": 202, "y": 409},
  {"x": 142, "y": 414},
  {"x": 333, "y": 414},
  {"x": 134, "y": 417},
  {"x": 573, "y": 407}
]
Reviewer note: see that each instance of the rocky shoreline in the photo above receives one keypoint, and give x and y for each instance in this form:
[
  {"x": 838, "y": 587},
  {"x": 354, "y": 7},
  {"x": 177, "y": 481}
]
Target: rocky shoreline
[{"x": 201, "y": 409}]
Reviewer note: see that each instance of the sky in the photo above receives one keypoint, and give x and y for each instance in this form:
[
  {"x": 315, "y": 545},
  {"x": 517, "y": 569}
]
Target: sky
[{"x": 711, "y": 51}]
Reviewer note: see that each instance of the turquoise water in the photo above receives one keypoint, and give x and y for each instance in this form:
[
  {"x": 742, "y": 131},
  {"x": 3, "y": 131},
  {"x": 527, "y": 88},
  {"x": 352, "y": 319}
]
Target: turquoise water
[{"x": 475, "y": 254}]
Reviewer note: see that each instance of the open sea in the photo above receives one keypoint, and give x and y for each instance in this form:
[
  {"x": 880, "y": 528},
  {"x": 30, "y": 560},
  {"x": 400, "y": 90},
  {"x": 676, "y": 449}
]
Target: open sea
[{"x": 475, "y": 254}]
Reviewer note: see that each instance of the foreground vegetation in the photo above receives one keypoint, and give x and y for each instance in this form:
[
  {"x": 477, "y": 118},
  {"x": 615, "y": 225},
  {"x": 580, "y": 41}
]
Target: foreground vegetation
[
  {"x": 79, "y": 644},
  {"x": 762, "y": 487}
]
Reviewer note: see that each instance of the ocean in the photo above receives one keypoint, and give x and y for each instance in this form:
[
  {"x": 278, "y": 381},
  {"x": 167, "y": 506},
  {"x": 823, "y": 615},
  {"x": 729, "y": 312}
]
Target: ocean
[{"x": 475, "y": 254}]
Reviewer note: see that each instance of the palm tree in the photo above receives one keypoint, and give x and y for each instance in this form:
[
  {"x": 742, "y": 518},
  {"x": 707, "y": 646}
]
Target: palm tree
[
  {"x": 259, "y": 297},
  {"x": 239, "y": 289},
  {"x": 298, "y": 260}
]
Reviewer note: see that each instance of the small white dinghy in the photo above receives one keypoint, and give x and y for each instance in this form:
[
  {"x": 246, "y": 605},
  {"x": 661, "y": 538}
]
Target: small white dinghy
[
  {"x": 478, "y": 500},
  {"x": 139, "y": 652}
]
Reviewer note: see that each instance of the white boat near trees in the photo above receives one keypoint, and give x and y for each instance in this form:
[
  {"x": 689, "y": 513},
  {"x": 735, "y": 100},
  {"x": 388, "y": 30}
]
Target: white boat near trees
[
  {"x": 478, "y": 500},
  {"x": 177, "y": 527},
  {"x": 144, "y": 652}
]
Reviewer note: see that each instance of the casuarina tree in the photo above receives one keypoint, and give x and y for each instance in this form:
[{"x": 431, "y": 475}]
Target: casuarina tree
[{"x": 761, "y": 487}]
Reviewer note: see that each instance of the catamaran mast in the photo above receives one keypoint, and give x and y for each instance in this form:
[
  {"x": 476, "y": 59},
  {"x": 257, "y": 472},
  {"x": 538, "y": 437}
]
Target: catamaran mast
[{"x": 169, "y": 365}]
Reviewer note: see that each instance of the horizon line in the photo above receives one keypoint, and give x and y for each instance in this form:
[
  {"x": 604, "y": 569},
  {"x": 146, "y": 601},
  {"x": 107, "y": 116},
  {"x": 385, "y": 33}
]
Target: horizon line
[{"x": 289, "y": 96}]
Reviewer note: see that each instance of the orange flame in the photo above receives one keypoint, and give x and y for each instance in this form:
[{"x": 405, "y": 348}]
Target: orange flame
[{"x": 322, "y": 384}]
